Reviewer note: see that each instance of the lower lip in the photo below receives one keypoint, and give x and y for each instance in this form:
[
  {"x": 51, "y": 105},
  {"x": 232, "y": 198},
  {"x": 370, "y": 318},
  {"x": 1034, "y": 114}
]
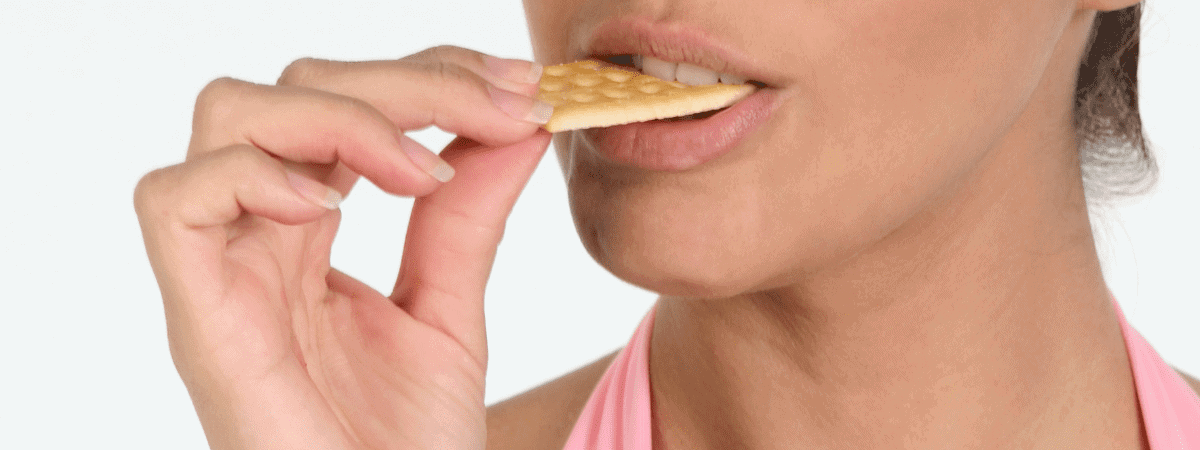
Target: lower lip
[{"x": 682, "y": 145}]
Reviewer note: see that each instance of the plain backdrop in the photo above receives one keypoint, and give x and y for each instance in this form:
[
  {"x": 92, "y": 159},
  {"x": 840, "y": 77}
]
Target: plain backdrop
[{"x": 95, "y": 94}]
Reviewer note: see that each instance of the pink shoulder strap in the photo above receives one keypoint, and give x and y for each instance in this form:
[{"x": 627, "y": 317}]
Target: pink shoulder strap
[
  {"x": 617, "y": 415},
  {"x": 1170, "y": 408}
]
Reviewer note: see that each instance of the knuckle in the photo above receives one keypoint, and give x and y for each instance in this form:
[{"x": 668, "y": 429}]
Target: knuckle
[
  {"x": 163, "y": 192},
  {"x": 445, "y": 69},
  {"x": 149, "y": 192},
  {"x": 453, "y": 53},
  {"x": 450, "y": 77},
  {"x": 219, "y": 89},
  {"x": 303, "y": 72},
  {"x": 438, "y": 55},
  {"x": 444, "y": 51},
  {"x": 216, "y": 101},
  {"x": 445, "y": 61},
  {"x": 436, "y": 52}
]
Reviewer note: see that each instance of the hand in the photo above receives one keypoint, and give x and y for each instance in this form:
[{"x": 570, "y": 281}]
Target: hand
[{"x": 277, "y": 349}]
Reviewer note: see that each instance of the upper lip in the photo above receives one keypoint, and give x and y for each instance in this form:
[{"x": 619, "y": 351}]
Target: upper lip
[{"x": 674, "y": 42}]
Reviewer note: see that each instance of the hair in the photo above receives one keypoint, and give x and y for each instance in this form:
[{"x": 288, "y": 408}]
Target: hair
[{"x": 1114, "y": 153}]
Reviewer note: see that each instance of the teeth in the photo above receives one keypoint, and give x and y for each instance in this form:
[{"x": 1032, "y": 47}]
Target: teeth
[
  {"x": 658, "y": 68},
  {"x": 693, "y": 75},
  {"x": 685, "y": 73}
]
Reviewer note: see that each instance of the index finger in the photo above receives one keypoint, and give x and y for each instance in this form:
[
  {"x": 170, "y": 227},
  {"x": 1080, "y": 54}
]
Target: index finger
[{"x": 443, "y": 88}]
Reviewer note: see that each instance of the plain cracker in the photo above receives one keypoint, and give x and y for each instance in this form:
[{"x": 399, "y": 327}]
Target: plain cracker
[{"x": 588, "y": 94}]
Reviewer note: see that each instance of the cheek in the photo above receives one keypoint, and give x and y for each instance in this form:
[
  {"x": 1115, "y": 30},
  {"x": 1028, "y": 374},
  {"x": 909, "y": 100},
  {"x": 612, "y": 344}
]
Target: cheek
[
  {"x": 896, "y": 103},
  {"x": 930, "y": 65},
  {"x": 898, "y": 98},
  {"x": 545, "y": 19},
  {"x": 554, "y": 24}
]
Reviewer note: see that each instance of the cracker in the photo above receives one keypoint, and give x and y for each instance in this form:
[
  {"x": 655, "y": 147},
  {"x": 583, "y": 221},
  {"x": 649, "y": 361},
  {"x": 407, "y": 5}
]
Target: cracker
[{"x": 588, "y": 94}]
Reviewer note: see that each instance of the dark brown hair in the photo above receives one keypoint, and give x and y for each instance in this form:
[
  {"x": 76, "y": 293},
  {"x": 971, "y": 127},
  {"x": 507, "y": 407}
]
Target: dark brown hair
[{"x": 1114, "y": 153}]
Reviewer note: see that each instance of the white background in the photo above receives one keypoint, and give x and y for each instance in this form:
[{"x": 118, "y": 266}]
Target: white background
[{"x": 93, "y": 96}]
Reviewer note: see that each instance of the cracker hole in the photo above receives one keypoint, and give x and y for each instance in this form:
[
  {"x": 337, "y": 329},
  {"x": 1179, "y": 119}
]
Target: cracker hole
[
  {"x": 619, "y": 77},
  {"x": 650, "y": 88},
  {"x": 615, "y": 93},
  {"x": 586, "y": 80},
  {"x": 584, "y": 97}
]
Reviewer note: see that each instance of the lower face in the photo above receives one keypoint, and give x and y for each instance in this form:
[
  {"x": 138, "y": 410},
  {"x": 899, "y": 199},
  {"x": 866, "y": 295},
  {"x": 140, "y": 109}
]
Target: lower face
[{"x": 884, "y": 106}]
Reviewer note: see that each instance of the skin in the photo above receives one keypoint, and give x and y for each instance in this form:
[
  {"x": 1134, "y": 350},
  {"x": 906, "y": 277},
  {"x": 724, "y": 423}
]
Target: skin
[
  {"x": 899, "y": 257},
  {"x": 276, "y": 348},
  {"x": 903, "y": 257}
]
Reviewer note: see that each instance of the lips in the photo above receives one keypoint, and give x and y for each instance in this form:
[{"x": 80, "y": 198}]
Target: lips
[
  {"x": 675, "y": 146},
  {"x": 682, "y": 143}
]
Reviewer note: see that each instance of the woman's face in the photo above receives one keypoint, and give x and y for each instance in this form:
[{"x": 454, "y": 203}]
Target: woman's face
[{"x": 884, "y": 107}]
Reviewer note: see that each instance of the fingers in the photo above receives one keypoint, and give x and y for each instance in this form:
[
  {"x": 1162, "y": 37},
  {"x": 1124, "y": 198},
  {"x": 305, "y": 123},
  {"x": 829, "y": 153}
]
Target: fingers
[
  {"x": 181, "y": 209},
  {"x": 288, "y": 153},
  {"x": 488, "y": 100},
  {"x": 453, "y": 234},
  {"x": 309, "y": 126},
  {"x": 218, "y": 187},
  {"x": 327, "y": 112},
  {"x": 513, "y": 75}
]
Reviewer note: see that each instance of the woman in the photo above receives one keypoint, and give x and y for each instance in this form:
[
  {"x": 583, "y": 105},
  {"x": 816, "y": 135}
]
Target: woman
[{"x": 891, "y": 251}]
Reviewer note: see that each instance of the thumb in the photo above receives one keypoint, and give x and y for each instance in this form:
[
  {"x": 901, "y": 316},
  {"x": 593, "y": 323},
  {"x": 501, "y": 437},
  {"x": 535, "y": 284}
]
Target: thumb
[{"x": 453, "y": 234}]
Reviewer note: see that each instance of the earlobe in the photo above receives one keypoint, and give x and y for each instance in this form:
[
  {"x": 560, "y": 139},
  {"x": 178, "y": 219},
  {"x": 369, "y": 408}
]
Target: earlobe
[{"x": 1106, "y": 5}]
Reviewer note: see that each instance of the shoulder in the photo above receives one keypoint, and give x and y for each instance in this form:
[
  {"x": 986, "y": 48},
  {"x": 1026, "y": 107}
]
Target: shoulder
[
  {"x": 1191, "y": 381},
  {"x": 542, "y": 418}
]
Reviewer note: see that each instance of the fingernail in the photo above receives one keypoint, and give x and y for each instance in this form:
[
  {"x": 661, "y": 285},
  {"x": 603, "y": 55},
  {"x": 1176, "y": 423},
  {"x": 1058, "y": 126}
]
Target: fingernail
[
  {"x": 521, "y": 107},
  {"x": 427, "y": 160},
  {"x": 313, "y": 191},
  {"x": 517, "y": 70}
]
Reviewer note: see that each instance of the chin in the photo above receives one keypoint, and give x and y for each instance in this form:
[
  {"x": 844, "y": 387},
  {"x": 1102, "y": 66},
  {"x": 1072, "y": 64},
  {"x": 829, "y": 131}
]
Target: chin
[
  {"x": 676, "y": 278},
  {"x": 695, "y": 262}
]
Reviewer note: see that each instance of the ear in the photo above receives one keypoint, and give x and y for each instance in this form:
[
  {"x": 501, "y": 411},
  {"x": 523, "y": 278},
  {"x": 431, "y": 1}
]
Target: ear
[{"x": 1106, "y": 5}]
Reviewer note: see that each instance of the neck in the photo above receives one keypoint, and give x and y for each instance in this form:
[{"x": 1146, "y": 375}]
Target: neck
[{"x": 983, "y": 322}]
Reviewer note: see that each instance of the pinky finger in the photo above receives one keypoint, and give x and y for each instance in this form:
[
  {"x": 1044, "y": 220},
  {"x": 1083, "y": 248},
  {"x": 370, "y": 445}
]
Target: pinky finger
[{"x": 221, "y": 186}]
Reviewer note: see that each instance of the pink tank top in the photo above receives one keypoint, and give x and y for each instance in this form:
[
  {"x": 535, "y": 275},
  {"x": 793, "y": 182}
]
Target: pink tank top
[{"x": 617, "y": 415}]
